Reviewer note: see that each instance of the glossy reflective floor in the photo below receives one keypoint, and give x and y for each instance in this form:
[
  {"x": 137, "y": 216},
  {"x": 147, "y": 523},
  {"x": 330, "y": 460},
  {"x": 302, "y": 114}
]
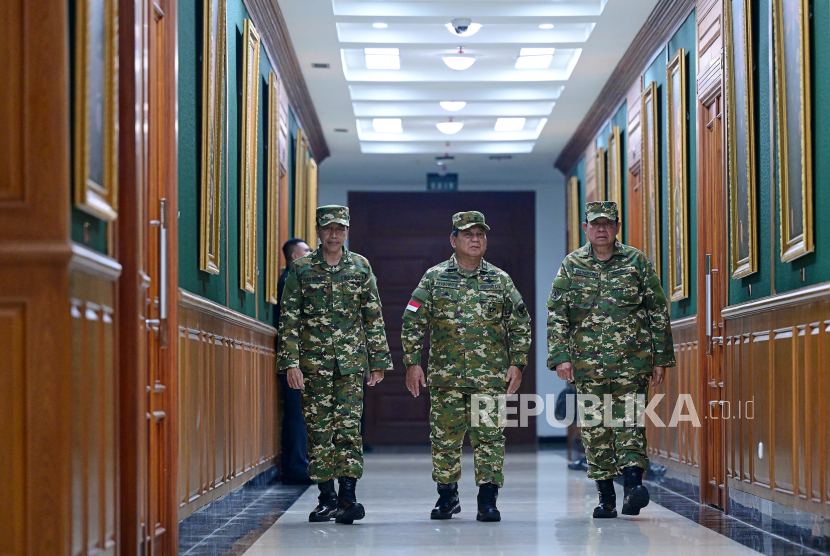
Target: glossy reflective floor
[{"x": 545, "y": 508}]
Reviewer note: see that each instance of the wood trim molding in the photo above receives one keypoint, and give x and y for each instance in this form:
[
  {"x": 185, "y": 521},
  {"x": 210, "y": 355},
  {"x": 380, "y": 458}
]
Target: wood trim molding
[
  {"x": 684, "y": 323},
  {"x": 657, "y": 30},
  {"x": 810, "y": 294},
  {"x": 91, "y": 262},
  {"x": 276, "y": 40},
  {"x": 202, "y": 305}
]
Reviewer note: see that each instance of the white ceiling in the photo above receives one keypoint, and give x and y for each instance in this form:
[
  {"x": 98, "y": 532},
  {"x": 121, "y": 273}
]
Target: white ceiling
[{"x": 589, "y": 37}]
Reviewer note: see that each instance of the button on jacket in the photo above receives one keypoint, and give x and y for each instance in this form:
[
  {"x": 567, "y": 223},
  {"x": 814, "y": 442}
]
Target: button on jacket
[
  {"x": 479, "y": 325},
  {"x": 608, "y": 318},
  {"x": 331, "y": 317}
]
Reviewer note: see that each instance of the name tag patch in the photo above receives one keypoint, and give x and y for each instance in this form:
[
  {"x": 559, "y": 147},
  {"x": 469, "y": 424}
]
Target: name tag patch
[
  {"x": 588, "y": 273},
  {"x": 489, "y": 287},
  {"x": 444, "y": 284}
]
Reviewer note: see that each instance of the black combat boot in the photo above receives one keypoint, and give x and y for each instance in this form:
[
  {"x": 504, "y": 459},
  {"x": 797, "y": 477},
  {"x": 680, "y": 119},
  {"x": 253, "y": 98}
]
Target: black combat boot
[
  {"x": 348, "y": 508},
  {"x": 327, "y": 503},
  {"x": 636, "y": 495},
  {"x": 607, "y": 499},
  {"x": 487, "y": 510},
  {"x": 448, "y": 503}
]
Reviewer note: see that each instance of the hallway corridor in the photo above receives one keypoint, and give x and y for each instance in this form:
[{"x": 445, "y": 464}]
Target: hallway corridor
[{"x": 545, "y": 510}]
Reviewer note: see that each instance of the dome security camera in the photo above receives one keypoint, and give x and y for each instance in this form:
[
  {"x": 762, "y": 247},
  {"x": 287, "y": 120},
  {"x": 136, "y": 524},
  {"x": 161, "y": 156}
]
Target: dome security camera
[{"x": 461, "y": 24}]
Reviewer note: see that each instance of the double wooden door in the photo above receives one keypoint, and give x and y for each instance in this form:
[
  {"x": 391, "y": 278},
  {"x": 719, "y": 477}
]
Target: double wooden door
[{"x": 403, "y": 235}]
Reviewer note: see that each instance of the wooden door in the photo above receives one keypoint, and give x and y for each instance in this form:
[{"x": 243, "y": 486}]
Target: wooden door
[
  {"x": 712, "y": 270},
  {"x": 403, "y": 235}
]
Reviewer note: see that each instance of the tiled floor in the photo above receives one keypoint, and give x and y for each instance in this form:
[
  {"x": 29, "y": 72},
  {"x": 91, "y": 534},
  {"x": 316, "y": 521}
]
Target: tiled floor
[{"x": 546, "y": 509}]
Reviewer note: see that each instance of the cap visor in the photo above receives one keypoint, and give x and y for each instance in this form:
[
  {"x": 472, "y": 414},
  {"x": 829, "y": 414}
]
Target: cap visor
[
  {"x": 470, "y": 225},
  {"x": 602, "y": 215},
  {"x": 334, "y": 221}
]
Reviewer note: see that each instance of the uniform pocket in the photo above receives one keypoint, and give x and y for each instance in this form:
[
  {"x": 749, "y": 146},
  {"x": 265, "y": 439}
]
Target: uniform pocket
[
  {"x": 583, "y": 292},
  {"x": 315, "y": 298},
  {"x": 351, "y": 296},
  {"x": 445, "y": 301},
  {"x": 492, "y": 305},
  {"x": 626, "y": 290}
]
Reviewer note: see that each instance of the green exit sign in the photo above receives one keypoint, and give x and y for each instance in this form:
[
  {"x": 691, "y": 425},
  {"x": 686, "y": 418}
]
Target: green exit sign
[{"x": 442, "y": 182}]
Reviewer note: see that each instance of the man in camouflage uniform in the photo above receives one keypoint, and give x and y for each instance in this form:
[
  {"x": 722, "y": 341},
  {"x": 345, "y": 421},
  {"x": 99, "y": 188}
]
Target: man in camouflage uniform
[
  {"x": 479, "y": 339},
  {"x": 609, "y": 331},
  {"x": 331, "y": 332}
]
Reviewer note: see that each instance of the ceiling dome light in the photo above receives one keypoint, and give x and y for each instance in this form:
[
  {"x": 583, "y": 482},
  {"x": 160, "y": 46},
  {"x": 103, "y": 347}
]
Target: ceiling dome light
[
  {"x": 459, "y": 63},
  {"x": 472, "y": 29},
  {"x": 452, "y": 106},
  {"x": 546, "y": 26},
  {"x": 379, "y": 25},
  {"x": 450, "y": 128},
  {"x": 387, "y": 125}
]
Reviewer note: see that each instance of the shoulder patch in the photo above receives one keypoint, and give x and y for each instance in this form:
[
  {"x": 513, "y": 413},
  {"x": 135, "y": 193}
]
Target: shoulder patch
[
  {"x": 557, "y": 295},
  {"x": 588, "y": 273}
]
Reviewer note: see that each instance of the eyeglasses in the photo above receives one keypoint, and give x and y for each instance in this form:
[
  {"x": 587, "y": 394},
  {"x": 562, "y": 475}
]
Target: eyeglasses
[{"x": 606, "y": 226}]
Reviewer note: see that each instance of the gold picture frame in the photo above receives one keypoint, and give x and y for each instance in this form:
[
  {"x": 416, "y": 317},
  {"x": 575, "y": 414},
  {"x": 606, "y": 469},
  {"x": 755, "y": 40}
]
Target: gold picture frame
[
  {"x": 300, "y": 185},
  {"x": 615, "y": 167},
  {"x": 678, "y": 190},
  {"x": 740, "y": 127},
  {"x": 599, "y": 173},
  {"x": 651, "y": 177},
  {"x": 248, "y": 161},
  {"x": 213, "y": 134},
  {"x": 272, "y": 239},
  {"x": 573, "y": 214},
  {"x": 791, "y": 50},
  {"x": 311, "y": 202},
  {"x": 96, "y": 108}
]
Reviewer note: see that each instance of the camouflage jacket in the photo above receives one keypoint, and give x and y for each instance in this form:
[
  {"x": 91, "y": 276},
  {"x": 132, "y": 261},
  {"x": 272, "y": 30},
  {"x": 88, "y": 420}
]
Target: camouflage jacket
[
  {"x": 332, "y": 315},
  {"x": 608, "y": 318},
  {"x": 479, "y": 325}
]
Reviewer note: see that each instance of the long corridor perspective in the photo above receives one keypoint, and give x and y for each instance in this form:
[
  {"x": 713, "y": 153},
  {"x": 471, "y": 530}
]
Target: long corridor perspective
[{"x": 246, "y": 243}]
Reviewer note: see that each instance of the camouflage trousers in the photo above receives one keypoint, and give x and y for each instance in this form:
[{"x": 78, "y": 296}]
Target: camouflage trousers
[
  {"x": 332, "y": 407},
  {"x": 449, "y": 418},
  {"x": 611, "y": 449}
]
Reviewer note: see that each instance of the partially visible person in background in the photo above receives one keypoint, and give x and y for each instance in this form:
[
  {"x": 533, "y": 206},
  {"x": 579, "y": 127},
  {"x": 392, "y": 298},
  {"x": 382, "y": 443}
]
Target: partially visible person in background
[{"x": 294, "y": 456}]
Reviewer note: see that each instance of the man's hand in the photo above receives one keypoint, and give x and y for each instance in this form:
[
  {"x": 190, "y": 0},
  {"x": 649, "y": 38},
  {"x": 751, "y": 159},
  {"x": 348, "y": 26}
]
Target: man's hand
[
  {"x": 374, "y": 378},
  {"x": 414, "y": 377},
  {"x": 514, "y": 378},
  {"x": 565, "y": 371},
  {"x": 657, "y": 376},
  {"x": 295, "y": 378}
]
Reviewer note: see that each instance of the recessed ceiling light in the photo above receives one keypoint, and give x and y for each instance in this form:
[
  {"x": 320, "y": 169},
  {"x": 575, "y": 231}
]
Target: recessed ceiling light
[
  {"x": 449, "y": 128},
  {"x": 379, "y": 25},
  {"x": 452, "y": 106},
  {"x": 382, "y": 58},
  {"x": 341, "y": 130},
  {"x": 320, "y": 65},
  {"x": 534, "y": 62},
  {"x": 459, "y": 63},
  {"x": 510, "y": 124},
  {"x": 387, "y": 125},
  {"x": 472, "y": 29},
  {"x": 546, "y": 26},
  {"x": 533, "y": 51}
]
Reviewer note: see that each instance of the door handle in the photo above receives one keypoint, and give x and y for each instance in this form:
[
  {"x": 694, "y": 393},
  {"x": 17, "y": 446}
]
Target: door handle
[
  {"x": 708, "y": 304},
  {"x": 161, "y": 322}
]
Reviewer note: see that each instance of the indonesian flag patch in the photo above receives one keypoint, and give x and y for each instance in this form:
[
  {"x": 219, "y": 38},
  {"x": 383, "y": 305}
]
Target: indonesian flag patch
[{"x": 413, "y": 306}]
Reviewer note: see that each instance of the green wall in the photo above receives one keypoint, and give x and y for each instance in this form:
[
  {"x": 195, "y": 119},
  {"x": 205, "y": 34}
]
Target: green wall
[
  {"x": 816, "y": 266},
  {"x": 224, "y": 287}
]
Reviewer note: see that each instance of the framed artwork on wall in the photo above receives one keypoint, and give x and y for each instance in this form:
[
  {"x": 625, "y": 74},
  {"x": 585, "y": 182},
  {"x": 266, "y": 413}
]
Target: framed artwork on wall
[
  {"x": 791, "y": 58},
  {"x": 615, "y": 170},
  {"x": 311, "y": 202},
  {"x": 300, "y": 185},
  {"x": 272, "y": 238},
  {"x": 213, "y": 128},
  {"x": 651, "y": 176},
  {"x": 96, "y": 108},
  {"x": 599, "y": 173},
  {"x": 573, "y": 214},
  {"x": 248, "y": 161},
  {"x": 678, "y": 189},
  {"x": 740, "y": 127}
]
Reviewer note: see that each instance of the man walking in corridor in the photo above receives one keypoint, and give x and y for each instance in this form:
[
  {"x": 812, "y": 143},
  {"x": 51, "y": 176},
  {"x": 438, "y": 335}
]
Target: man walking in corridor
[
  {"x": 479, "y": 339},
  {"x": 331, "y": 333},
  {"x": 609, "y": 331}
]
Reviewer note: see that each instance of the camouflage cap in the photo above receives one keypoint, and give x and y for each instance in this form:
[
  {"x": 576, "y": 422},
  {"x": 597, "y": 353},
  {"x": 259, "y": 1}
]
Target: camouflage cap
[
  {"x": 332, "y": 213},
  {"x": 601, "y": 209},
  {"x": 468, "y": 219}
]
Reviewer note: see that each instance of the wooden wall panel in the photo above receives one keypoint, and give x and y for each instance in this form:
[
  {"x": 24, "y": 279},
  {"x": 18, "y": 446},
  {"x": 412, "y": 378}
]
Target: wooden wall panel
[
  {"x": 95, "y": 461},
  {"x": 679, "y": 447},
  {"x": 227, "y": 401},
  {"x": 778, "y": 364},
  {"x": 634, "y": 157},
  {"x": 12, "y": 438}
]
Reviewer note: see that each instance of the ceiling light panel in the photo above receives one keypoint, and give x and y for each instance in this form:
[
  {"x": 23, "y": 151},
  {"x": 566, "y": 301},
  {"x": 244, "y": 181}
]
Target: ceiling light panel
[
  {"x": 479, "y": 9},
  {"x": 533, "y": 51},
  {"x": 436, "y": 129},
  {"x": 533, "y": 62},
  {"x": 456, "y": 147},
  {"x": 510, "y": 124},
  {"x": 395, "y": 108},
  {"x": 387, "y": 125},
  {"x": 353, "y": 34},
  {"x": 431, "y": 92}
]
